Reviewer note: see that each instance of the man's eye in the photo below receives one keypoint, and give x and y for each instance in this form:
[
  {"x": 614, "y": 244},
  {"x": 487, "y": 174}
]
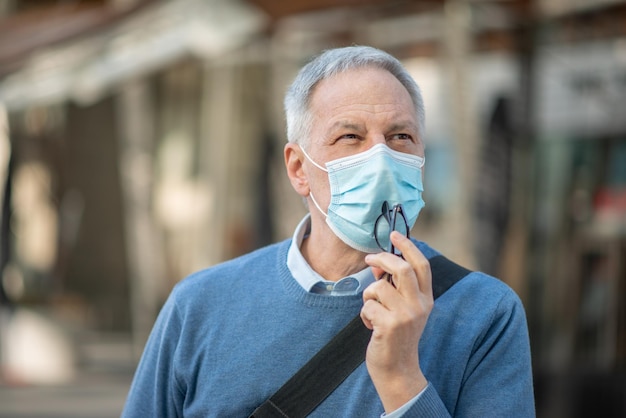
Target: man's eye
[
  {"x": 402, "y": 137},
  {"x": 349, "y": 136}
]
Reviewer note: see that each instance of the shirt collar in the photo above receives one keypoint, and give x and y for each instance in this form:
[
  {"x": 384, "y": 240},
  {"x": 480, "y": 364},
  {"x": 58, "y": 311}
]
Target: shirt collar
[{"x": 310, "y": 280}]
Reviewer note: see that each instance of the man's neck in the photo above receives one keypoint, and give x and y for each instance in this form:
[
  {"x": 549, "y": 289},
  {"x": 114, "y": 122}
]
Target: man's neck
[{"x": 330, "y": 257}]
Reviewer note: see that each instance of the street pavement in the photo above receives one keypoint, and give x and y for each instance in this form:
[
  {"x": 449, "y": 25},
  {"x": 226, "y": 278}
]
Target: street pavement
[{"x": 97, "y": 390}]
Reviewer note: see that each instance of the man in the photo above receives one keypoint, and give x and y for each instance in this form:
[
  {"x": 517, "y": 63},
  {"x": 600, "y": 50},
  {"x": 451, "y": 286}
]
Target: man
[{"x": 230, "y": 336}]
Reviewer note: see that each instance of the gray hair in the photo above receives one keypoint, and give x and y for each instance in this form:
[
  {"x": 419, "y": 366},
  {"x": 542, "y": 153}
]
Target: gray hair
[{"x": 333, "y": 62}]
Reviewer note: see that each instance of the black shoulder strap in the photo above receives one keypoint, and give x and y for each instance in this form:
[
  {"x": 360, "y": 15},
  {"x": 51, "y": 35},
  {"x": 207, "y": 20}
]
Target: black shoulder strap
[
  {"x": 445, "y": 274},
  {"x": 321, "y": 375}
]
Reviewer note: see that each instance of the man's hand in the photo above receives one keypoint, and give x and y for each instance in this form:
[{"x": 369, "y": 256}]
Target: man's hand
[{"x": 397, "y": 316}]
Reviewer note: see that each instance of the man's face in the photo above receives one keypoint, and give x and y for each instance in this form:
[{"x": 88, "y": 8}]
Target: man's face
[{"x": 354, "y": 111}]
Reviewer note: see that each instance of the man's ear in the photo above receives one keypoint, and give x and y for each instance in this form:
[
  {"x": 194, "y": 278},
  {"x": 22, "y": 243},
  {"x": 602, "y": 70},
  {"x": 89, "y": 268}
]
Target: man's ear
[{"x": 294, "y": 159}]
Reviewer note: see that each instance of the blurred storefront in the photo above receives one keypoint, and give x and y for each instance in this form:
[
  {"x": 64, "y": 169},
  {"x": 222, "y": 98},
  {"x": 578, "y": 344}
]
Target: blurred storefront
[
  {"x": 578, "y": 245},
  {"x": 145, "y": 142}
]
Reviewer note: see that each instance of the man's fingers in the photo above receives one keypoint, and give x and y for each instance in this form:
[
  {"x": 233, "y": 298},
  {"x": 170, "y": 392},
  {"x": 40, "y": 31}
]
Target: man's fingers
[
  {"x": 375, "y": 298},
  {"x": 381, "y": 291},
  {"x": 378, "y": 272},
  {"x": 416, "y": 259},
  {"x": 404, "y": 275},
  {"x": 369, "y": 313},
  {"x": 388, "y": 263}
]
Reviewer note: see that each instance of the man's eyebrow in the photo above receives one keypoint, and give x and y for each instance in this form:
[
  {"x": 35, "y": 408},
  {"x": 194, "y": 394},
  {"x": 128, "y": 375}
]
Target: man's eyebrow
[
  {"x": 342, "y": 124},
  {"x": 359, "y": 127},
  {"x": 408, "y": 125}
]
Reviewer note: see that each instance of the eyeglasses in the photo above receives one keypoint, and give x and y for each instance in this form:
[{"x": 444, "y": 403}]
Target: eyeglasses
[{"x": 388, "y": 221}]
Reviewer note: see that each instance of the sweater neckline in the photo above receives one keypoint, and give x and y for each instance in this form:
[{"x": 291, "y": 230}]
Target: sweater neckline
[{"x": 295, "y": 291}]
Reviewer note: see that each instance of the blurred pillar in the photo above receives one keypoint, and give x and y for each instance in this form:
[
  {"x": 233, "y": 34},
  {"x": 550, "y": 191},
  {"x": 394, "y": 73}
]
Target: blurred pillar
[
  {"x": 457, "y": 60},
  {"x": 525, "y": 266},
  {"x": 5, "y": 193},
  {"x": 288, "y": 51},
  {"x": 517, "y": 260},
  {"x": 232, "y": 156},
  {"x": 5, "y": 151},
  {"x": 492, "y": 189},
  {"x": 143, "y": 245}
]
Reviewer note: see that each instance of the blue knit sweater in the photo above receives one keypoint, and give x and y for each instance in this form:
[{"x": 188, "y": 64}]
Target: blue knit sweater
[{"x": 231, "y": 335}]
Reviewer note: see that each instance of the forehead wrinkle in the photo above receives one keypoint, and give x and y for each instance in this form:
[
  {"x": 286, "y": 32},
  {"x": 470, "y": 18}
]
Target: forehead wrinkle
[{"x": 390, "y": 110}]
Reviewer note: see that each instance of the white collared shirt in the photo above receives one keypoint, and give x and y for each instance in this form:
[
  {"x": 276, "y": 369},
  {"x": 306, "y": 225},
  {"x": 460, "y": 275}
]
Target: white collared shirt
[{"x": 310, "y": 280}]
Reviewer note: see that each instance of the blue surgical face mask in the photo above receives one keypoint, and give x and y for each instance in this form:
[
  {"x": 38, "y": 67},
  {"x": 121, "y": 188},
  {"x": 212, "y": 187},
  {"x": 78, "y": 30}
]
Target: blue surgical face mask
[{"x": 360, "y": 183}]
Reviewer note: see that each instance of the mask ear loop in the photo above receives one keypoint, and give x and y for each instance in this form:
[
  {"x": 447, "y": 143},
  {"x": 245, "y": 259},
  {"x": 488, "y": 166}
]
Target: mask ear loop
[
  {"x": 311, "y": 160},
  {"x": 317, "y": 206},
  {"x": 311, "y": 193}
]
